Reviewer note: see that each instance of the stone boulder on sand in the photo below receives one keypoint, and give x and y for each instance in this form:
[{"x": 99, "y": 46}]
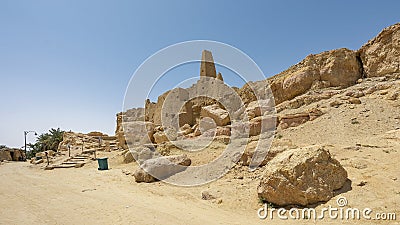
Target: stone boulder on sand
[
  {"x": 160, "y": 168},
  {"x": 301, "y": 176}
]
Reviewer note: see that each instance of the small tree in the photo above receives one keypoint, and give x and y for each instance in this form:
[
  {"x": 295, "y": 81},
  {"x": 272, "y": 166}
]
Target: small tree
[{"x": 46, "y": 141}]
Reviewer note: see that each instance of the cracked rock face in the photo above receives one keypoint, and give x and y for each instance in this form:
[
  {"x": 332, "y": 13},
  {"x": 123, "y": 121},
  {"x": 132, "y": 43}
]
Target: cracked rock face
[
  {"x": 301, "y": 176},
  {"x": 335, "y": 68},
  {"x": 381, "y": 55}
]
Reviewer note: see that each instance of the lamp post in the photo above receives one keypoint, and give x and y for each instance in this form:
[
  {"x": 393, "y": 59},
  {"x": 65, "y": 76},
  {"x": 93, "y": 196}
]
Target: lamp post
[{"x": 26, "y": 133}]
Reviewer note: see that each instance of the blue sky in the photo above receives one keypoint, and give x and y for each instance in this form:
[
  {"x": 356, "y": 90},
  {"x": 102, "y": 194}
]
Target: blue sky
[{"x": 67, "y": 63}]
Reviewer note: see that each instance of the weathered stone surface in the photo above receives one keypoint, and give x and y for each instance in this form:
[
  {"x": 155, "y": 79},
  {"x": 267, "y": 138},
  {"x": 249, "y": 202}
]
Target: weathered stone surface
[
  {"x": 121, "y": 140},
  {"x": 139, "y": 153},
  {"x": 161, "y": 168},
  {"x": 219, "y": 77},
  {"x": 381, "y": 55},
  {"x": 9, "y": 154},
  {"x": 72, "y": 140},
  {"x": 185, "y": 130},
  {"x": 301, "y": 176},
  {"x": 223, "y": 139},
  {"x": 219, "y": 115},
  {"x": 354, "y": 93},
  {"x": 141, "y": 176},
  {"x": 138, "y": 133},
  {"x": 207, "y": 67},
  {"x": 168, "y": 134},
  {"x": 5, "y": 155},
  {"x": 258, "y": 108},
  {"x": 128, "y": 157},
  {"x": 394, "y": 95},
  {"x": 223, "y": 131},
  {"x": 206, "y": 124},
  {"x": 335, "y": 103},
  {"x": 293, "y": 120},
  {"x": 262, "y": 124},
  {"x": 354, "y": 101},
  {"x": 335, "y": 68},
  {"x": 96, "y": 134}
]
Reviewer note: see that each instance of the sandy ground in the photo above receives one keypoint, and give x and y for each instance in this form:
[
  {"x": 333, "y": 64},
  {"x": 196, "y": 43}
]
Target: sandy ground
[{"x": 89, "y": 196}]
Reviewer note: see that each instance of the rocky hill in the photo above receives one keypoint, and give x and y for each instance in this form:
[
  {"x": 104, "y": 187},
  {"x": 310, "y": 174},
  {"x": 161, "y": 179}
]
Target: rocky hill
[{"x": 339, "y": 109}]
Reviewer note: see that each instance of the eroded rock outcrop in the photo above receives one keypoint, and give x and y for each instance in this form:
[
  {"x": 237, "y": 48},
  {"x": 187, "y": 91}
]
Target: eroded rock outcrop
[
  {"x": 293, "y": 120},
  {"x": 301, "y": 176},
  {"x": 335, "y": 68},
  {"x": 381, "y": 55}
]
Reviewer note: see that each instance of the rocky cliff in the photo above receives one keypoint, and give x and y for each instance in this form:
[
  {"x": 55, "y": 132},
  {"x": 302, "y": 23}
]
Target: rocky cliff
[{"x": 339, "y": 68}]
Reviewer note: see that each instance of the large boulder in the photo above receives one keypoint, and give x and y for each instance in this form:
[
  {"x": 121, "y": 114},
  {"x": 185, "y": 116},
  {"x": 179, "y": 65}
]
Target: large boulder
[
  {"x": 219, "y": 115},
  {"x": 301, "y": 176},
  {"x": 161, "y": 167},
  {"x": 381, "y": 55}
]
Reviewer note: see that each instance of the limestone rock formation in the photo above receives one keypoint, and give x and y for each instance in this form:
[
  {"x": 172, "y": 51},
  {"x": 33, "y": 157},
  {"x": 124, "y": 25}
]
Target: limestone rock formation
[
  {"x": 161, "y": 168},
  {"x": 335, "y": 68},
  {"x": 381, "y": 55},
  {"x": 301, "y": 176},
  {"x": 293, "y": 120}
]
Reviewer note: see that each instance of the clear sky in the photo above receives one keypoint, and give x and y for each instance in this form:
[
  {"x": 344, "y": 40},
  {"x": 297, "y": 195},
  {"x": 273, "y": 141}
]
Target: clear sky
[{"x": 67, "y": 63}]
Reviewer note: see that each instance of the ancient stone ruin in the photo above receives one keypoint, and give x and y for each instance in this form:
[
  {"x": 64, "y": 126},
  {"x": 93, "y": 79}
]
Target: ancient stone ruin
[
  {"x": 12, "y": 154},
  {"x": 207, "y": 68}
]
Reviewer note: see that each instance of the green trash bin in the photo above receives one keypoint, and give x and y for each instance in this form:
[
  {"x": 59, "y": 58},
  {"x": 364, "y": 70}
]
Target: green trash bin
[{"x": 103, "y": 164}]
